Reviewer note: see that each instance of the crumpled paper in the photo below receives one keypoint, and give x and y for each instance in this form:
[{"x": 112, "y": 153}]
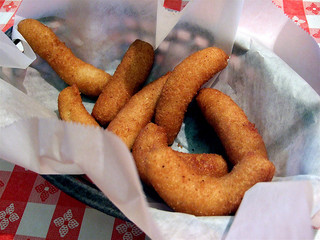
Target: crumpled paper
[{"x": 283, "y": 106}]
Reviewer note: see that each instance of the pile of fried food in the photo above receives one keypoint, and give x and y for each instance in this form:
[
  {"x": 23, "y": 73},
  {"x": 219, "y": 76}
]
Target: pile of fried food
[{"x": 149, "y": 118}]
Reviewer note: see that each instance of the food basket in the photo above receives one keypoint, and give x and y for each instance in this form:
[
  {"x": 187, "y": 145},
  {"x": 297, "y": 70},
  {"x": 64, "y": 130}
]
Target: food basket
[{"x": 274, "y": 93}]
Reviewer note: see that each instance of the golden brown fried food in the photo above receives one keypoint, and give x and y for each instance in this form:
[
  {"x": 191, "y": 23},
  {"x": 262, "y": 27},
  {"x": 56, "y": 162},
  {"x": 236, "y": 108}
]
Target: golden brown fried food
[
  {"x": 154, "y": 137},
  {"x": 208, "y": 164},
  {"x": 89, "y": 79},
  {"x": 183, "y": 84},
  {"x": 71, "y": 108},
  {"x": 150, "y": 136},
  {"x": 138, "y": 112},
  {"x": 129, "y": 75},
  {"x": 237, "y": 134},
  {"x": 186, "y": 190}
]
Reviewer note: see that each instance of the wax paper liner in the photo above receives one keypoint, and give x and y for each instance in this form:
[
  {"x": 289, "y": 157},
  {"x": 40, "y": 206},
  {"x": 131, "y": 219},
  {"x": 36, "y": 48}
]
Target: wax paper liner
[{"x": 283, "y": 106}]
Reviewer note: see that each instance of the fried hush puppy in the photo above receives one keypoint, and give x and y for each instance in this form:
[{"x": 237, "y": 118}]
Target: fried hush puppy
[
  {"x": 138, "y": 112},
  {"x": 183, "y": 84},
  {"x": 237, "y": 134},
  {"x": 186, "y": 190},
  {"x": 154, "y": 137},
  {"x": 128, "y": 77},
  {"x": 71, "y": 108},
  {"x": 89, "y": 79}
]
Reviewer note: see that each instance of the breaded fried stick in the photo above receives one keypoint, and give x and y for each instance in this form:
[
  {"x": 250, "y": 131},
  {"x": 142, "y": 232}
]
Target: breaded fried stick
[
  {"x": 129, "y": 75},
  {"x": 237, "y": 134},
  {"x": 138, "y": 112},
  {"x": 71, "y": 108},
  {"x": 183, "y": 84},
  {"x": 153, "y": 137},
  {"x": 188, "y": 191},
  {"x": 89, "y": 79}
]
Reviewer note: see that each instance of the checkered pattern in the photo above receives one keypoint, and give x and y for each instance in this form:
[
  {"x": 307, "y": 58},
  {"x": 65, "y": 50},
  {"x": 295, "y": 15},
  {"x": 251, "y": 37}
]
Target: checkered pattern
[
  {"x": 7, "y": 11},
  {"x": 305, "y": 13},
  {"x": 31, "y": 208}
]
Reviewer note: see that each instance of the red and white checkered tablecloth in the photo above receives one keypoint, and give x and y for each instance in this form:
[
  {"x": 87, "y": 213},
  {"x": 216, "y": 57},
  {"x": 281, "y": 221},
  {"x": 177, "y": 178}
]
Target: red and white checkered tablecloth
[
  {"x": 31, "y": 208},
  {"x": 304, "y": 13}
]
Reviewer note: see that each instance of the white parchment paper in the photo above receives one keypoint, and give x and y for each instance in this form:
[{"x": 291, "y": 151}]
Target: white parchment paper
[{"x": 273, "y": 93}]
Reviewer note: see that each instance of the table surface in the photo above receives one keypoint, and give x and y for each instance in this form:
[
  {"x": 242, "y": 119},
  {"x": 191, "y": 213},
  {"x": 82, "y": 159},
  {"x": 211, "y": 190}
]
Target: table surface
[{"x": 32, "y": 208}]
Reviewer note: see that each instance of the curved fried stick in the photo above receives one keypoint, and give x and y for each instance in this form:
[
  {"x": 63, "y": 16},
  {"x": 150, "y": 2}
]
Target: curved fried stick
[
  {"x": 237, "y": 134},
  {"x": 186, "y": 190},
  {"x": 89, "y": 79},
  {"x": 129, "y": 75},
  {"x": 71, "y": 108},
  {"x": 183, "y": 84},
  {"x": 154, "y": 137},
  {"x": 138, "y": 112}
]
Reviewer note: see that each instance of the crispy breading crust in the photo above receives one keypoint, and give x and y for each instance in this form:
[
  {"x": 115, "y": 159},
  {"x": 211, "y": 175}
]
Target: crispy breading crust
[
  {"x": 71, "y": 108},
  {"x": 89, "y": 79},
  {"x": 129, "y": 75},
  {"x": 138, "y": 112},
  {"x": 186, "y": 190},
  {"x": 209, "y": 164},
  {"x": 237, "y": 134},
  {"x": 153, "y": 137},
  {"x": 183, "y": 84}
]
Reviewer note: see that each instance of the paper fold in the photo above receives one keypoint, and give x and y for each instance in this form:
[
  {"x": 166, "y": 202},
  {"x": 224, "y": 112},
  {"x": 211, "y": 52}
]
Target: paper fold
[
  {"x": 281, "y": 35},
  {"x": 14, "y": 57}
]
